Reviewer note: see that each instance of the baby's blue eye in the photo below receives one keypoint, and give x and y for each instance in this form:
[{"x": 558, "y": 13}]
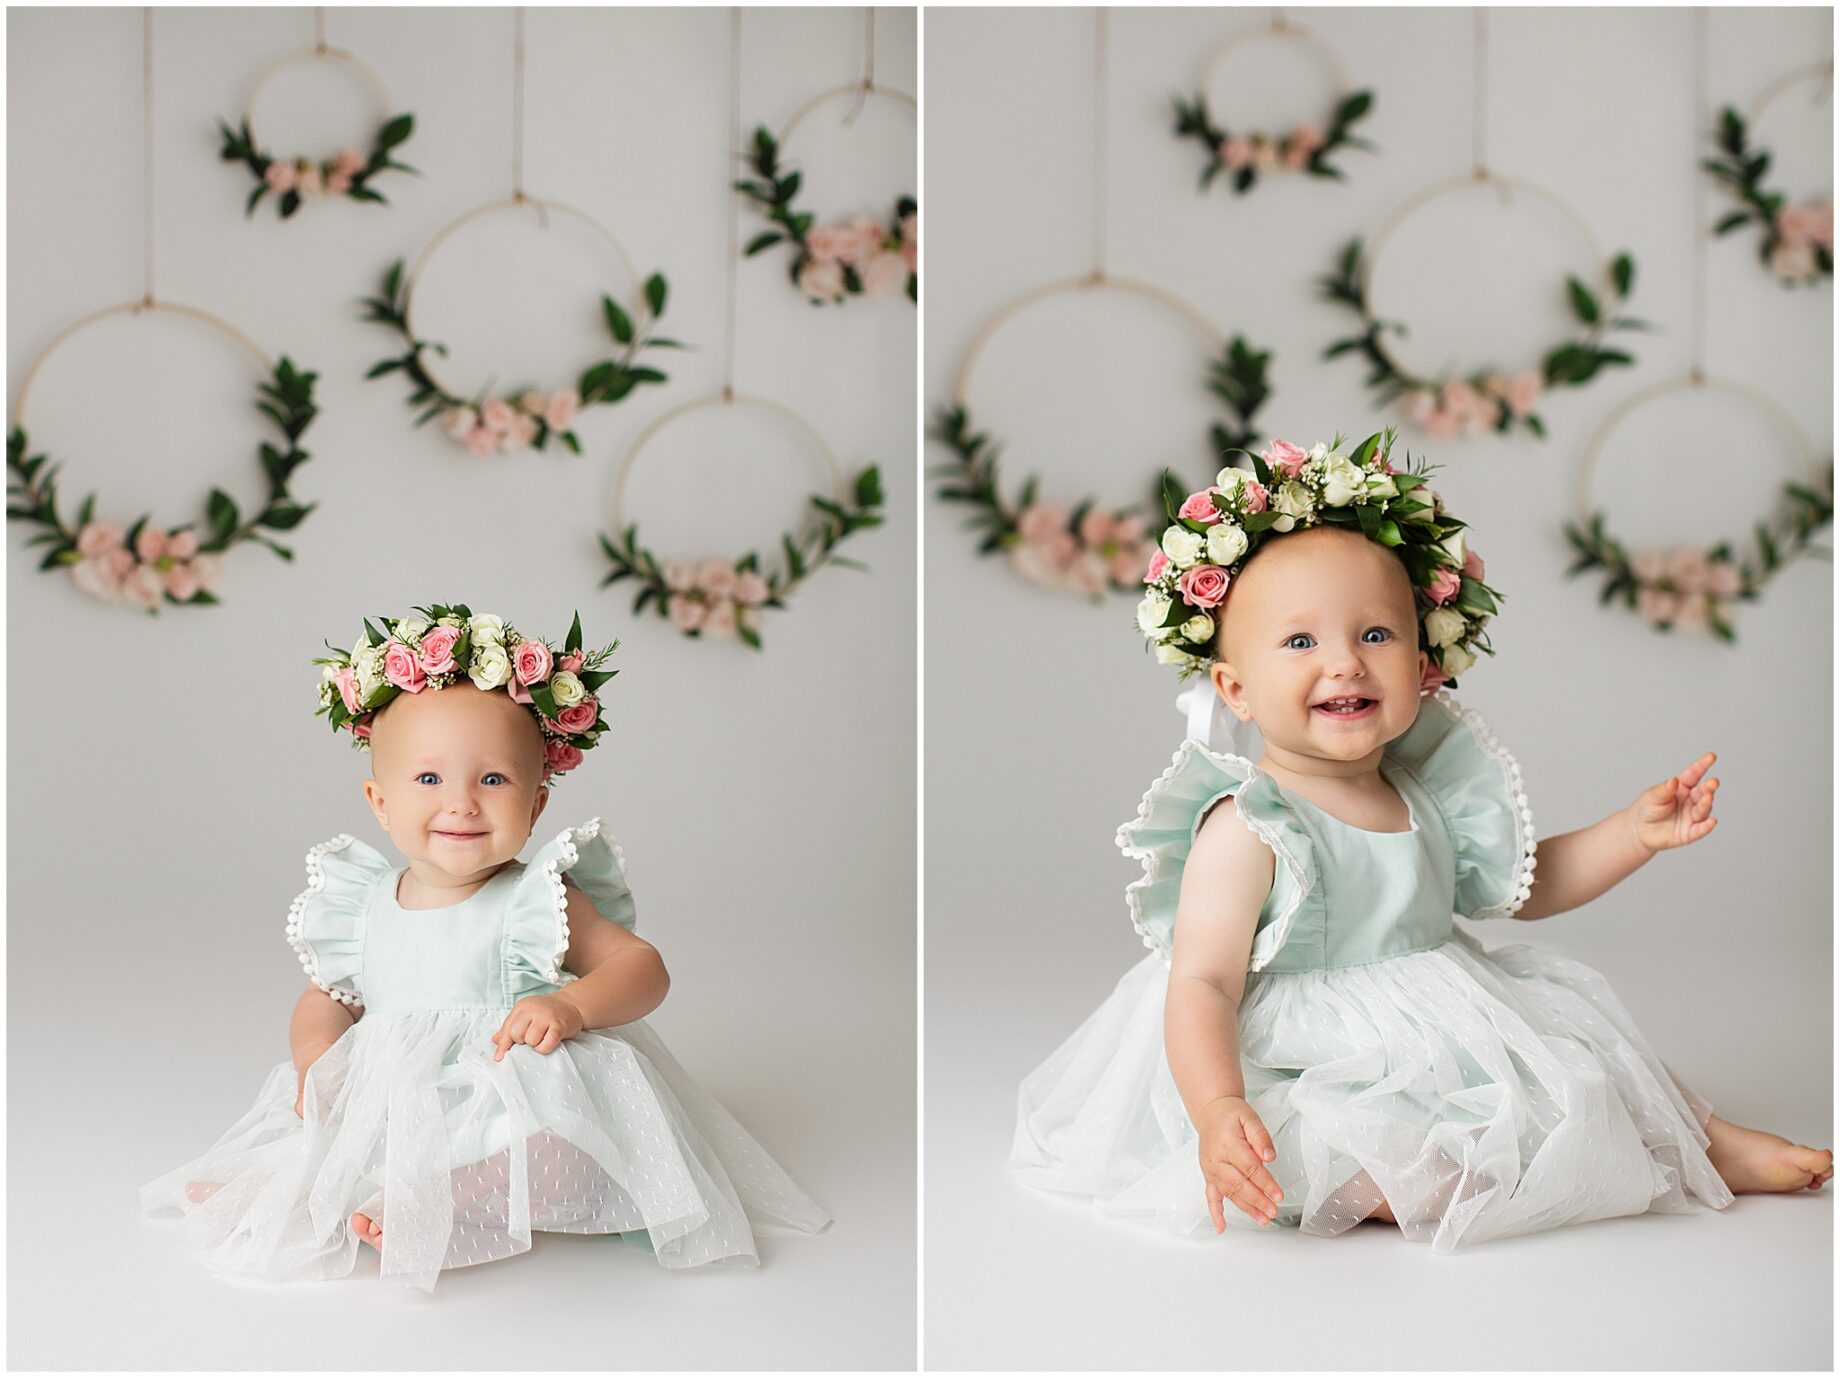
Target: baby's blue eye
[
  {"x": 427, "y": 775},
  {"x": 1385, "y": 636},
  {"x": 1290, "y": 642},
  {"x": 494, "y": 775}
]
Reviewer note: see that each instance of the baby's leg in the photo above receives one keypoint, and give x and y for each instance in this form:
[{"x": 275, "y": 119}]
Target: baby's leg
[{"x": 1753, "y": 1160}]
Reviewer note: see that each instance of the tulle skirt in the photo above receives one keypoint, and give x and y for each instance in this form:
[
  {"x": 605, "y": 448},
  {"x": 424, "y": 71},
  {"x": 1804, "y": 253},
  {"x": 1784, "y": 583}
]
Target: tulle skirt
[
  {"x": 1481, "y": 1093},
  {"x": 459, "y": 1157}
]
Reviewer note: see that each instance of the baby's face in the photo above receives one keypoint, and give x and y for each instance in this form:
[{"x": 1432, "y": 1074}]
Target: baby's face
[
  {"x": 457, "y": 778},
  {"x": 1319, "y": 646}
]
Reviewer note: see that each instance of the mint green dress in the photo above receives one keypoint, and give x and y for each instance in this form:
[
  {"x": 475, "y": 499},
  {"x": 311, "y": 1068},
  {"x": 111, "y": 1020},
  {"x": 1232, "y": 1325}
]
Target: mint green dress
[
  {"x": 460, "y": 1157},
  {"x": 1482, "y": 1092}
]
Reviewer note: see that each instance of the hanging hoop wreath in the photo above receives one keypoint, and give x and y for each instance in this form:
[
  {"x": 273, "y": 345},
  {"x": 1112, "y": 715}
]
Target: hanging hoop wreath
[
  {"x": 1244, "y": 155},
  {"x": 144, "y": 565},
  {"x": 1686, "y": 586},
  {"x": 1083, "y": 546},
  {"x": 719, "y": 595},
  {"x": 1798, "y": 240},
  {"x": 1483, "y": 399},
  {"x": 347, "y": 173},
  {"x": 835, "y": 261},
  {"x": 524, "y": 417}
]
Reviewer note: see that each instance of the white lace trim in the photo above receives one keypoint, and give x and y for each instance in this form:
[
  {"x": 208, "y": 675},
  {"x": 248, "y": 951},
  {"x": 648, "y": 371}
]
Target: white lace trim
[
  {"x": 1520, "y": 885},
  {"x": 1267, "y": 833},
  {"x": 568, "y": 840},
  {"x": 316, "y": 881}
]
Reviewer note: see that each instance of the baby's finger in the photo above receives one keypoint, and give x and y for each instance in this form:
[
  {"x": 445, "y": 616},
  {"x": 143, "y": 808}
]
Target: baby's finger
[
  {"x": 1260, "y": 1140},
  {"x": 1254, "y": 1203},
  {"x": 551, "y": 1039},
  {"x": 1215, "y": 1211},
  {"x": 1242, "y": 1158},
  {"x": 1690, "y": 776}
]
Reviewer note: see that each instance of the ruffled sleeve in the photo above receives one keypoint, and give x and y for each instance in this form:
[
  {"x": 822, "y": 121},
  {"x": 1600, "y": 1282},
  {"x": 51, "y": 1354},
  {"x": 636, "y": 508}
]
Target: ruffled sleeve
[
  {"x": 1477, "y": 787},
  {"x": 537, "y": 921},
  {"x": 1164, "y": 831},
  {"x": 326, "y": 921}
]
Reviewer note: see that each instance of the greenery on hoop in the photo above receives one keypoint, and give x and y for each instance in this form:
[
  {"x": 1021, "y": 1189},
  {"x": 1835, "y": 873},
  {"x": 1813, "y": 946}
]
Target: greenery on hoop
[
  {"x": 1805, "y": 511},
  {"x": 775, "y": 195},
  {"x": 1742, "y": 172},
  {"x": 607, "y": 382},
  {"x": 286, "y": 399},
  {"x": 1571, "y": 364},
  {"x": 334, "y": 176},
  {"x": 1262, "y": 153},
  {"x": 805, "y": 554},
  {"x": 1237, "y": 378}
]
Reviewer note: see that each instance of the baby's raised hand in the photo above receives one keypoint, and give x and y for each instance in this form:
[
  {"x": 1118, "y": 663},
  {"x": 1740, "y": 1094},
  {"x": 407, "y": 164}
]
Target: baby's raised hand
[
  {"x": 542, "y": 1021},
  {"x": 1676, "y": 811},
  {"x": 1234, "y": 1149}
]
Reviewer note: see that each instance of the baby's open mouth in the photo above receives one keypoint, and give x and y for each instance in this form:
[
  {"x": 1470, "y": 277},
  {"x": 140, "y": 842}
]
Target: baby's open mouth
[{"x": 1348, "y": 706}]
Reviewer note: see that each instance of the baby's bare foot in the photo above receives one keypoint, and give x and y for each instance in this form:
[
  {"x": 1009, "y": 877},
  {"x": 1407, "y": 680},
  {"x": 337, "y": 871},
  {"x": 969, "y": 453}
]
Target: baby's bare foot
[
  {"x": 369, "y": 1230},
  {"x": 1752, "y": 1160}
]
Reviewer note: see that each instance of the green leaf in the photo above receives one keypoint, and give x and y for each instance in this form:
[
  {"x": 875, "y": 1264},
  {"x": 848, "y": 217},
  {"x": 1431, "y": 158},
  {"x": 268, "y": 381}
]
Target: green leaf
[
  {"x": 573, "y": 640},
  {"x": 1582, "y": 301},
  {"x": 617, "y": 320},
  {"x": 1731, "y": 222},
  {"x": 765, "y": 240},
  {"x": 395, "y": 131},
  {"x": 286, "y": 516},
  {"x": 655, "y": 294},
  {"x": 223, "y": 515},
  {"x": 1622, "y": 273}
]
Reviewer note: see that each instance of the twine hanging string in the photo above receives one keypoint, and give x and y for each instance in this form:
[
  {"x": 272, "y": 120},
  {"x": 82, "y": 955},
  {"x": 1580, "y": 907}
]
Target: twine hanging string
[
  {"x": 1099, "y": 147},
  {"x": 734, "y": 200},
  {"x": 868, "y": 78},
  {"x": 1701, "y": 123},
  {"x": 147, "y": 145},
  {"x": 1479, "y": 97},
  {"x": 319, "y": 28},
  {"x": 517, "y": 105}
]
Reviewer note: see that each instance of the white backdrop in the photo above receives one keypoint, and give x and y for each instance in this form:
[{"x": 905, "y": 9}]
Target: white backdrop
[
  {"x": 1046, "y": 721},
  {"x": 163, "y": 797}
]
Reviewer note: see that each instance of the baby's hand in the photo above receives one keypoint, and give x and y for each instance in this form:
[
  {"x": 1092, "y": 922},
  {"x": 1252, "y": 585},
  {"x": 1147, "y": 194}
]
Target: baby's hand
[
  {"x": 1234, "y": 1149},
  {"x": 542, "y": 1021},
  {"x": 1676, "y": 811}
]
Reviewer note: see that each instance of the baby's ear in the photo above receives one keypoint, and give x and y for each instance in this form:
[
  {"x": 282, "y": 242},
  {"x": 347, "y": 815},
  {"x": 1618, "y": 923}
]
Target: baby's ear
[{"x": 373, "y": 795}]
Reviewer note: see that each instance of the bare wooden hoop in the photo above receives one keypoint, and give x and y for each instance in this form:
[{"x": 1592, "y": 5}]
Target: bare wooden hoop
[
  {"x": 1788, "y": 80},
  {"x": 1281, "y": 29},
  {"x": 317, "y": 53},
  {"x": 861, "y": 90}
]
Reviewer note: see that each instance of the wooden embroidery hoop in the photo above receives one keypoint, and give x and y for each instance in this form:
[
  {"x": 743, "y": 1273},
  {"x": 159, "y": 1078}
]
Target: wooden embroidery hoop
[
  {"x": 1282, "y": 29},
  {"x": 318, "y": 52}
]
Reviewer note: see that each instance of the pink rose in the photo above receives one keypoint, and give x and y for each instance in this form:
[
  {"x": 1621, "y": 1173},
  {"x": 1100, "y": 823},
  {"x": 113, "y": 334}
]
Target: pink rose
[
  {"x": 482, "y": 440},
  {"x": 1793, "y": 260},
  {"x": 1296, "y": 156},
  {"x": 207, "y": 568},
  {"x": 1472, "y": 564},
  {"x": 1254, "y": 495},
  {"x": 1688, "y": 569},
  {"x": 457, "y": 423},
  {"x": 348, "y": 161},
  {"x": 1433, "y": 676},
  {"x": 1096, "y": 527},
  {"x": 1159, "y": 566},
  {"x": 679, "y": 576},
  {"x": 1821, "y": 224},
  {"x": 1046, "y": 562},
  {"x": 885, "y": 275},
  {"x": 401, "y": 668},
  {"x": 686, "y": 612},
  {"x": 570, "y": 661},
  {"x": 1649, "y": 566},
  {"x": 866, "y": 236},
  {"x": 910, "y": 256},
  {"x": 825, "y": 242},
  {"x": 1199, "y": 507},
  {"x": 1124, "y": 566},
  {"x": 438, "y": 650},
  {"x": 1203, "y": 585},
  {"x": 1421, "y": 406},
  {"x": 280, "y": 176},
  {"x": 821, "y": 280},
  {"x": 551, "y": 726},
  {"x": 182, "y": 545},
  {"x": 531, "y": 661},
  {"x": 498, "y": 414},
  {"x": 1724, "y": 579},
  {"x": 98, "y": 537},
  {"x": 1443, "y": 425},
  {"x": 579, "y": 717},
  {"x": 1466, "y": 406},
  {"x": 1040, "y": 521},
  {"x": 1693, "y": 612},
  {"x": 1307, "y": 135},
  {"x": 720, "y": 618},
  {"x": 519, "y": 694},
  {"x": 750, "y": 589},
  {"x": 1235, "y": 153},
  {"x": 1444, "y": 586},
  {"x": 338, "y": 183},
  {"x": 563, "y": 404},
  {"x": 150, "y": 544},
  {"x": 99, "y": 577},
  {"x": 522, "y": 432},
  {"x": 1286, "y": 457},
  {"x": 1087, "y": 573},
  {"x": 1796, "y": 224},
  {"x": 716, "y": 578},
  {"x": 1522, "y": 393},
  {"x": 1129, "y": 530},
  {"x": 1657, "y": 605},
  {"x": 560, "y": 754},
  {"x": 361, "y": 727},
  {"x": 182, "y": 581},
  {"x": 533, "y": 403},
  {"x": 347, "y": 681}
]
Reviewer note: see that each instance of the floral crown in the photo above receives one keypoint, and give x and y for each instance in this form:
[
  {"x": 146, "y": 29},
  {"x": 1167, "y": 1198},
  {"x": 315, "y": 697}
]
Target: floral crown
[
  {"x": 445, "y": 643},
  {"x": 1215, "y": 531}
]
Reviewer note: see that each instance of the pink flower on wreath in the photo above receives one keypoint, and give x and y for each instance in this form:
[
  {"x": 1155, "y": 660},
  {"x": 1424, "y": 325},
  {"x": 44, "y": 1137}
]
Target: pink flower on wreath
[
  {"x": 1284, "y": 456},
  {"x": 1159, "y": 566},
  {"x": 571, "y": 661},
  {"x": 531, "y": 661},
  {"x": 686, "y": 612},
  {"x": 1657, "y": 605},
  {"x": 1724, "y": 579},
  {"x": 720, "y": 618},
  {"x": 438, "y": 650},
  {"x": 207, "y": 568},
  {"x": 347, "y": 681},
  {"x": 1307, "y": 136},
  {"x": 716, "y": 578},
  {"x": 1442, "y": 425},
  {"x": 522, "y": 432},
  {"x": 1125, "y": 564},
  {"x": 457, "y": 423},
  {"x": 560, "y": 754},
  {"x": 579, "y": 717},
  {"x": 338, "y": 183},
  {"x": 1097, "y": 527},
  {"x": 821, "y": 279},
  {"x": 867, "y": 236},
  {"x": 1296, "y": 156},
  {"x": 1087, "y": 572},
  {"x": 885, "y": 275},
  {"x": 96, "y": 538},
  {"x": 1522, "y": 392},
  {"x": 349, "y": 161},
  {"x": 1472, "y": 563},
  {"x": 1649, "y": 566},
  {"x": 182, "y": 545},
  {"x": 150, "y": 544},
  {"x": 1255, "y": 497},
  {"x": 750, "y": 589},
  {"x": 1466, "y": 406},
  {"x": 1205, "y": 586},
  {"x": 482, "y": 440},
  {"x": 1039, "y": 521},
  {"x": 1129, "y": 530},
  {"x": 1235, "y": 153},
  {"x": 519, "y": 694},
  {"x": 1047, "y": 562},
  {"x": 1433, "y": 677},
  {"x": 563, "y": 404},
  {"x": 1444, "y": 586},
  {"x": 1798, "y": 224},
  {"x": 361, "y": 727},
  {"x": 280, "y": 176},
  {"x": 1199, "y": 507},
  {"x": 1693, "y": 611},
  {"x": 98, "y": 578},
  {"x": 825, "y": 242},
  {"x": 401, "y": 668},
  {"x": 1421, "y": 406},
  {"x": 1688, "y": 569},
  {"x": 679, "y": 576},
  {"x": 498, "y": 414},
  {"x": 182, "y": 581},
  {"x": 1793, "y": 259}
]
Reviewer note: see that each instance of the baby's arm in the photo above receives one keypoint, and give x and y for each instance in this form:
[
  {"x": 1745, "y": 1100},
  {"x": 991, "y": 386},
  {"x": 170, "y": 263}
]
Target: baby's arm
[
  {"x": 319, "y": 1022},
  {"x": 1224, "y": 884},
  {"x": 1576, "y": 867},
  {"x": 622, "y": 978}
]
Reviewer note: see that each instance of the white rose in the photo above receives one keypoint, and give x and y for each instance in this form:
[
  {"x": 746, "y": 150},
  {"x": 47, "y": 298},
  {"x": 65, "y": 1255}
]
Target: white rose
[
  {"x": 1283, "y": 523},
  {"x": 1457, "y": 659},
  {"x": 1230, "y": 481},
  {"x": 1182, "y": 546},
  {"x": 1172, "y": 655},
  {"x": 1453, "y": 547},
  {"x": 566, "y": 689},
  {"x": 1150, "y": 615},
  {"x": 328, "y": 672},
  {"x": 1198, "y": 628},
  {"x": 1343, "y": 480},
  {"x": 1225, "y": 543},
  {"x": 367, "y": 662},
  {"x": 1444, "y": 626},
  {"x": 486, "y": 627},
  {"x": 491, "y": 666},
  {"x": 449, "y": 621},
  {"x": 1318, "y": 452},
  {"x": 1381, "y": 486},
  {"x": 410, "y": 628},
  {"x": 1429, "y": 513},
  {"x": 1294, "y": 500}
]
